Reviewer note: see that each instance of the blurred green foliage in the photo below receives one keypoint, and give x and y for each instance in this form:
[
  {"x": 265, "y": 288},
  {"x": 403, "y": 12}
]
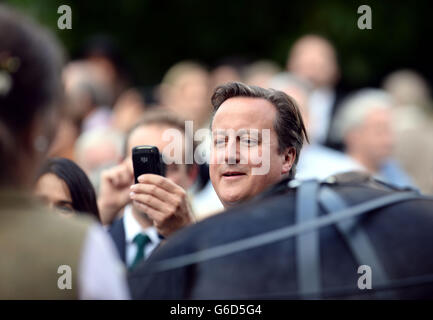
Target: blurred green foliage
[{"x": 152, "y": 35}]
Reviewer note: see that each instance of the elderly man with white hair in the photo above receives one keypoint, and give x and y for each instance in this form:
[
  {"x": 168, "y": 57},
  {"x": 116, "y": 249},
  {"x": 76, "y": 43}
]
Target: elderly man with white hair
[{"x": 364, "y": 124}]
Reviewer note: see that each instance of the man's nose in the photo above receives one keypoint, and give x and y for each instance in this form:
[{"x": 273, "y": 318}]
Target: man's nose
[{"x": 232, "y": 152}]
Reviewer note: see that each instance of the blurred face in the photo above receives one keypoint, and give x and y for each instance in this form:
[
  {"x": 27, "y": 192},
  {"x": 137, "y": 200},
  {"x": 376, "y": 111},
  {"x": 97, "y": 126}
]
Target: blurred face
[
  {"x": 153, "y": 135},
  {"x": 54, "y": 192},
  {"x": 77, "y": 102},
  {"x": 374, "y": 138},
  {"x": 128, "y": 108},
  {"x": 104, "y": 70},
  {"x": 99, "y": 155},
  {"x": 190, "y": 97},
  {"x": 223, "y": 74},
  {"x": 314, "y": 60},
  {"x": 237, "y": 154}
]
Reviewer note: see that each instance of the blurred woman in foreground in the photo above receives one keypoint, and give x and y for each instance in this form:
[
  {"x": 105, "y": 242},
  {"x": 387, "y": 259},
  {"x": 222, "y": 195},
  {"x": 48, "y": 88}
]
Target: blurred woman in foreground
[{"x": 44, "y": 256}]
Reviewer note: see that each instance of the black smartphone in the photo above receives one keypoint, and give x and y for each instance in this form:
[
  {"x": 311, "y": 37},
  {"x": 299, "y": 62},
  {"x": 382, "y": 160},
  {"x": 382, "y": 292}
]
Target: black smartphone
[{"x": 147, "y": 159}]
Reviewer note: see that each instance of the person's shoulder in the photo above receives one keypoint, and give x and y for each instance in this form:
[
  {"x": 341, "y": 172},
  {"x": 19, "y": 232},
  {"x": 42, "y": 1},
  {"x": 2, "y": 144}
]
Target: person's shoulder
[{"x": 51, "y": 224}]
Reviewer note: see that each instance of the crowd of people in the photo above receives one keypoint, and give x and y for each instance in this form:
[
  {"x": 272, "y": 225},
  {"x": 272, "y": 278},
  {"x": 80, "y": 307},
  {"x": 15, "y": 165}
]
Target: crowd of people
[{"x": 67, "y": 130}]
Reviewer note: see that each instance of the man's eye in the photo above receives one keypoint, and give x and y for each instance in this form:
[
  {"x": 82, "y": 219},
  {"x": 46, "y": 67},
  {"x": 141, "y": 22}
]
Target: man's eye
[
  {"x": 249, "y": 142},
  {"x": 220, "y": 142}
]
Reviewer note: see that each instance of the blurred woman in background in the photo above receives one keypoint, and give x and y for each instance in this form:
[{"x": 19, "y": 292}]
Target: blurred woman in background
[{"x": 63, "y": 185}]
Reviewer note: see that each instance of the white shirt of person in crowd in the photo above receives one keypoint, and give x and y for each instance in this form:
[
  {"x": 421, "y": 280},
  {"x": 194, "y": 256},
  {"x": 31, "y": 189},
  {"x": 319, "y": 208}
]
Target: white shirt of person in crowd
[
  {"x": 319, "y": 162},
  {"x": 132, "y": 228},
  {"x": 320, "y": 107},
  {"x": 101, "y": 274}
]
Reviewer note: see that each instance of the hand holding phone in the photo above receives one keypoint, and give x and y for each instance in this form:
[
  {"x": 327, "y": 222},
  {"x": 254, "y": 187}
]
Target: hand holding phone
[{"x": 163, "y": 201}]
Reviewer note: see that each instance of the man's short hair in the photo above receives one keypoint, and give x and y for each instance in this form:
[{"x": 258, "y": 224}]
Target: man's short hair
[
  {"x": 178, "y": 70},
  {"x": 162, "y": 117},
  {"x": 288, "y": 123}
]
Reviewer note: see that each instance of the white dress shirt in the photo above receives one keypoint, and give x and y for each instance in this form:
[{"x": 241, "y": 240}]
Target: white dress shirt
[
  {"x": 132, "y": 228},
  {"x": 319, "y": 162},
  {"x": 320, "y": 106}
]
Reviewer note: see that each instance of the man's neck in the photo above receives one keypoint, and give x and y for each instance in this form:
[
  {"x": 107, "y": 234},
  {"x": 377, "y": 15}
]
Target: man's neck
[
  {"x": 142, "y": 219},
  {"x": 368, "y": 165}
]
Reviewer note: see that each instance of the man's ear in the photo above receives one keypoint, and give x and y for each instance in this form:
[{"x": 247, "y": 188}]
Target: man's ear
[{"x": 289, "y": 159}]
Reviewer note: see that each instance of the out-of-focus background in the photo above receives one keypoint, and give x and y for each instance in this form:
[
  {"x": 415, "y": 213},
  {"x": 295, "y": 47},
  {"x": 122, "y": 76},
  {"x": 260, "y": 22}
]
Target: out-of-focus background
[
  {"x": 365, "y": 94},
  {"x": 153, "y": 35}
]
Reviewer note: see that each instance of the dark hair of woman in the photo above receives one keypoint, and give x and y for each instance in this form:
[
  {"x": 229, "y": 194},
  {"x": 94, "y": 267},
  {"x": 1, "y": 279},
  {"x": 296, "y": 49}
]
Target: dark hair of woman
[{"x": 80, "y": 188}]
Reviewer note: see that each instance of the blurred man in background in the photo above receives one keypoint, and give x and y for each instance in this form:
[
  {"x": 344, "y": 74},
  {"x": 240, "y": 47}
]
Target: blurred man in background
[
  {"x": 106, "y": 59},
  {"x": 129, "y": 107},
  {"x": 87, "y": 95},
  {"x": 185, "y": 91},
  {"x": 413, "y": 122},
  {"x": 227, "y": 69},
  {"x": 314, "y": 59},
  {"x": 85, "y": 107},
  {"x": 364, "y": 124},
  {"x": 259, "y": 73},
  {"x": 157, "y": 206}
]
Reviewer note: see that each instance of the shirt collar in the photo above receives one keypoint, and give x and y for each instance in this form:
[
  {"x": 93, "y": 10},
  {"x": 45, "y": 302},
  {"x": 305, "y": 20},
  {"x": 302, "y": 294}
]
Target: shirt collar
[{"x": 132, "y": 227}]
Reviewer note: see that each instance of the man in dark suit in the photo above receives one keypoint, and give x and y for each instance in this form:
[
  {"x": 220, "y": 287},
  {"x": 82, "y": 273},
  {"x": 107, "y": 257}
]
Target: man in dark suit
[
  {"x": 309, "y": 241},
  {"x": 154, "y": 208}
]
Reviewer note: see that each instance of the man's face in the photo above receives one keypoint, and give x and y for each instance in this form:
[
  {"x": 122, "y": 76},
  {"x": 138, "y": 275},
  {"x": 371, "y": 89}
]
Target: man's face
[
  {"x": 374, "y": 138},
  {"x": 234, "y": 160},
  {"x": 314, "y": 60},
  {"x": 190, "y": 97},
  {"x": 153, "y": 135}
]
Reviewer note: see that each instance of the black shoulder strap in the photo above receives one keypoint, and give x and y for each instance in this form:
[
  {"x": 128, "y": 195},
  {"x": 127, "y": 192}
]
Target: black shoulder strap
[
  {"x": 354, "y": 235},
  {"x": 307, "y": 243}
]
